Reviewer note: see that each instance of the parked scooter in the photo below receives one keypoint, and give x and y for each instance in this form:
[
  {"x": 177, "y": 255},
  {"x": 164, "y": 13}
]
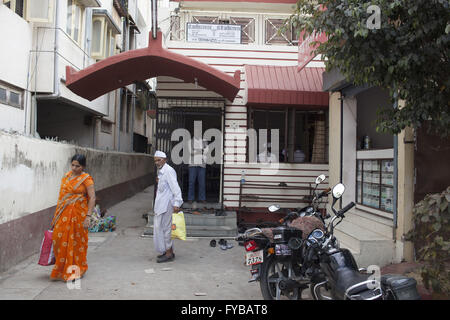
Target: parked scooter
[{"x": 290, "y": 263}]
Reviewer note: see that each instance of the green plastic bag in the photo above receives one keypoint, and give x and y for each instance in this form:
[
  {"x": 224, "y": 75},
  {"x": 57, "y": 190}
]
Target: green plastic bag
[{"x": 178, "y": 226}]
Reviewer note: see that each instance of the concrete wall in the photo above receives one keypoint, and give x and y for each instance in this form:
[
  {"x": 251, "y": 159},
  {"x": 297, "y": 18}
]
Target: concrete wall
[
  {"x": 405, "y": 250},
  {"x": 349, "y": 149},
  {"x": 31, "y": 172}
]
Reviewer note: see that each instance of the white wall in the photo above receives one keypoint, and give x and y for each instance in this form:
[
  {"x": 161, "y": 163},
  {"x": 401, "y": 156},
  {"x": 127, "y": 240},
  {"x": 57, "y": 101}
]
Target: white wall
[
  {"x": 11, "y": 119},
  {"x": 31, "y": 171},
  {"x": 16, "y": 35},
  {"x": 14, "y": 57}
]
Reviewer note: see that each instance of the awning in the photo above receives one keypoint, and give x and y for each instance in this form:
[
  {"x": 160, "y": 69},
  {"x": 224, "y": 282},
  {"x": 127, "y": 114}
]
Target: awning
[
  {"x": 138, "y": 65},
  {"x": 274, "y": 85}
]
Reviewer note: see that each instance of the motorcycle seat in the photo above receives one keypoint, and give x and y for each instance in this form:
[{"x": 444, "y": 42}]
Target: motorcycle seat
[{"x": 348, "y": 278}]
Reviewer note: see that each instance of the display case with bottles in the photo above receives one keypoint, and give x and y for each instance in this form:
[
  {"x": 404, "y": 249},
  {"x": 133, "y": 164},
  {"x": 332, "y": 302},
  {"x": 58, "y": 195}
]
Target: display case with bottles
[{"x": 375, "y": 183}]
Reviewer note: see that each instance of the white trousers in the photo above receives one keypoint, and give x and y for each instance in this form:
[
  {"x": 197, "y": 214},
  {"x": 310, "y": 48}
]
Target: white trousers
[{"x": 162, "y": 231}]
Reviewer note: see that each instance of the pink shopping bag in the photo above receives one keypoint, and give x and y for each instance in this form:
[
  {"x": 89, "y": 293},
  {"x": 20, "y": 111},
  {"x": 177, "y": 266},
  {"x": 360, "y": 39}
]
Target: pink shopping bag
[{"x": 47, "y": 256}]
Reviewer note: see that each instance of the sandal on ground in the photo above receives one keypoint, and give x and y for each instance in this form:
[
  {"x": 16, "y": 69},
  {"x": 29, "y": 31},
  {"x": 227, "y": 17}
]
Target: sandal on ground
[{"x": 166, "y": 258}]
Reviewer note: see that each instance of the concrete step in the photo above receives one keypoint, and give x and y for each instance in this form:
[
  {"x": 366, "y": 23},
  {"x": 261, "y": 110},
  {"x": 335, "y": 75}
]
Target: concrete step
[
  {"x": 377, "y": 224},
  {"x": 202, "y": 231},
  {"x": 199, "y": 205},
  {"x": 369, "y": 248},
  {"x": 204, "y": 225},
  {"x": 206, "y": 219}
]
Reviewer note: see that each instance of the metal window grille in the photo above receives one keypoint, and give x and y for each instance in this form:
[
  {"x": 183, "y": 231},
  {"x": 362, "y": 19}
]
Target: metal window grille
[
  {"x": 248, "y": 28},
  {"x": 272, "y": 35}
]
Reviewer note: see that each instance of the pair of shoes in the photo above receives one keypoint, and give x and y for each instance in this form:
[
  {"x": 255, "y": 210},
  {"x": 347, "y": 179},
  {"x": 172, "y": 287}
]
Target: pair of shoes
[
  {"x": 166, "y": 258},
  {"x": 224, "y": 245},
  {"x": 212, "y": 243},
  {"x": 162, "y": 255}
]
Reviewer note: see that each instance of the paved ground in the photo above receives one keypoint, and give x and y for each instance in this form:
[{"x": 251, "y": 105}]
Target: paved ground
[{"x": 122, "y": 265}]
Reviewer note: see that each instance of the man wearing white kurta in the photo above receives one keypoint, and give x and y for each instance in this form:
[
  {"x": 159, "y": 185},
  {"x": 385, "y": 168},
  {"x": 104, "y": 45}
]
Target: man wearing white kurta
[{"x": 168, "y": 200}]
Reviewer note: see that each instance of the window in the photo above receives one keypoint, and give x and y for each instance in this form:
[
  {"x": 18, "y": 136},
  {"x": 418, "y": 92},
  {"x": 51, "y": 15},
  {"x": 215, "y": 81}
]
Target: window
[
  {"x": 35, "y": 10},
  {"x": 74, "y": 17},
  {"x": 15, "y": 5},
  {"x": 302, "y": 134},
  {"x": 248, "y": 28},
  {"x": 10, "y": 96},
  {"x": 375, "y": 183},
  {"x": 272, "y": 36},
  {"x": 39, "y": 10},
  {"x": 203, "y": 19},
  {"x": 97, "y": 37},
  {"x": 103, "y": 38},
  {"x": 106, "y": 126},
  {"x": 175, "y": 28}
]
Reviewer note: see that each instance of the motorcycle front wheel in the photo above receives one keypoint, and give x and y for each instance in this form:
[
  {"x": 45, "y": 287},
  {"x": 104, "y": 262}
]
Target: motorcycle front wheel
[{"x": 274, "y": 271}]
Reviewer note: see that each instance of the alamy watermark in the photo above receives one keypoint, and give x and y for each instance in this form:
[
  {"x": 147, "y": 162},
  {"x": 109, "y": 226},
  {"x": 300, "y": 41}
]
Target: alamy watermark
[
  {"x": 374, "y": 20},
  {"x": 74, "y": 281},
  {"x": 207, "y": 148}
]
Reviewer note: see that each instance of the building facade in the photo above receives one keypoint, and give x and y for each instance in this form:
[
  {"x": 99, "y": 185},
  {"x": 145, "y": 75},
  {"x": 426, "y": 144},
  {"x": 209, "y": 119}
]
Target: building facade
[
  {"x": 384, "y": 174},
  {"x": 231, "y": 36},
  {"x": 46, "y": 36}
]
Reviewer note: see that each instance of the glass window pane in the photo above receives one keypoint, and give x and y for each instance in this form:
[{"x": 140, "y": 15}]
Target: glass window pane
[
  {"x": 248, "y": 28},
  {"x": 38, "y": 9},
  {"x": 77, "y": 24},
  {"x": 272, "y": 36},
  {"x": 108, "y": 44},
  {"x": 19, "y": 7},
  {"x": 111, "y": 53},
  {"x": 14, "y": 98},
  {"x": 3, "y": 95},
  {"x": 96, "y": 36},
  {"x": 69, "y": 17}
]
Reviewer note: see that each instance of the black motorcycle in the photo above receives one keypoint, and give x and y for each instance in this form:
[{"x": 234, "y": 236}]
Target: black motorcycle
[
  {"x": 290, "y": 263},
  {"x": 267, "y": 255}
]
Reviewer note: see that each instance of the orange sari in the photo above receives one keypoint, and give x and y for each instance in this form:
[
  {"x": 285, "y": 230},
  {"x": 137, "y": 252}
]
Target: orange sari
[{"x": 70, "y": 238}]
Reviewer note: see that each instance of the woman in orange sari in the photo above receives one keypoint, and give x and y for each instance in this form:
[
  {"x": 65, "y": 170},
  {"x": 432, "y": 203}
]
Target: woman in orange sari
[{"x": 71, "y": 222}]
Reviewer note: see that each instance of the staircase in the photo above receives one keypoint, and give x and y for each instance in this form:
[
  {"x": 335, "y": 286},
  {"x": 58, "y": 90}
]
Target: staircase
[
  {"x": 205, "y": 224},
  {"x": 368, "y": 237}
]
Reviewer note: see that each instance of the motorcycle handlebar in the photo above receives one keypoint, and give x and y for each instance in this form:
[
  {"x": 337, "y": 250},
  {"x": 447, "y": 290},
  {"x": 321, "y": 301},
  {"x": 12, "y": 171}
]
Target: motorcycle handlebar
[
  {"x": 289, "y": 215},
  {"x": 346, "y": 208},
  {"x": 324, "y": 193}
]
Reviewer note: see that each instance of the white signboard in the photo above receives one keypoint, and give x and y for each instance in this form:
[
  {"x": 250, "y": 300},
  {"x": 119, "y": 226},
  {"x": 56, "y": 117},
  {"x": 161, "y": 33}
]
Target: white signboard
[{"x": 214, "y": 33}]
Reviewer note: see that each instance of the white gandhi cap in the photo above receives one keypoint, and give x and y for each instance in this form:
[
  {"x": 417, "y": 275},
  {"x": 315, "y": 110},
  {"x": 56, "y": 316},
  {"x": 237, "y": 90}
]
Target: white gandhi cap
[{"x": 160, "y": 154}]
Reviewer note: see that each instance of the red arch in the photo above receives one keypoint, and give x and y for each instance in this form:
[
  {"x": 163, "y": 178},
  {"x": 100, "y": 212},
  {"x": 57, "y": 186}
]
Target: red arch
[{"x": 137, "y": 65}]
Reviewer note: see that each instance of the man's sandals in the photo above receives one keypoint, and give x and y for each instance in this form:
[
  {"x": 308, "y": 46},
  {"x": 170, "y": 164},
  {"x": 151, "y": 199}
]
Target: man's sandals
[{"x": 164, "y": 258}]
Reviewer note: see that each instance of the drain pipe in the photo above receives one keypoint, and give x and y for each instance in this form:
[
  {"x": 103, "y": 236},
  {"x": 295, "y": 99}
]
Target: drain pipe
[{"x": 395, "y": 200}]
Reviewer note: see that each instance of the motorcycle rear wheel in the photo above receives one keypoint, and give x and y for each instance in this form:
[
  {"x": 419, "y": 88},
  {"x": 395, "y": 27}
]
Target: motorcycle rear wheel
[{"x": 274, "y": 271}]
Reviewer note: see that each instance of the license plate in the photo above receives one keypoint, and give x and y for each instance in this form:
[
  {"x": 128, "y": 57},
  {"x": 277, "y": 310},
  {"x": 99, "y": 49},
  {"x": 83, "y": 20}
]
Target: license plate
[{"x": 254, "y": 257}]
